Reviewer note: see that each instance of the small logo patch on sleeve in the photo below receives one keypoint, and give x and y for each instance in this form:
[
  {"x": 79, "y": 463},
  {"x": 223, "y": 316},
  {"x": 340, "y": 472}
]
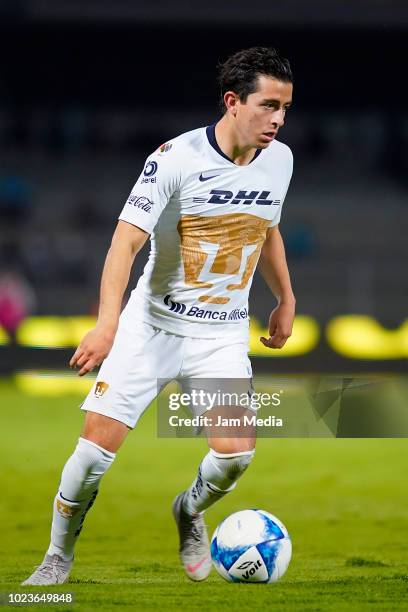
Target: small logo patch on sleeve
[{"x": 166, "y": 146}]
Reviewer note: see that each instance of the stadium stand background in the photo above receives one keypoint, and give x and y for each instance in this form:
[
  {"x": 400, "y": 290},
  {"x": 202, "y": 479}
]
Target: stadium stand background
[{"x": 90, "y": 89}]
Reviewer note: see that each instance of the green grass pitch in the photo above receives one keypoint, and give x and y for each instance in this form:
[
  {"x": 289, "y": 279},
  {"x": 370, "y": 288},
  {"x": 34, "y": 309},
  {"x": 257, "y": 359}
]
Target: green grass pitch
[{"x": 344, "y": 503}]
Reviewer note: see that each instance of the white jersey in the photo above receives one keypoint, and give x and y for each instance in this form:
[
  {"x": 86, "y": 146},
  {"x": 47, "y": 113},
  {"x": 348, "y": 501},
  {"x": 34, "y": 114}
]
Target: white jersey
[{"x": 208, "y": 219}]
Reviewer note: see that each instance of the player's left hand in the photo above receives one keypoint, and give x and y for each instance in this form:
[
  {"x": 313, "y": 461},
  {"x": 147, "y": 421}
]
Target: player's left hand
[{"x": 280, "y": 325}]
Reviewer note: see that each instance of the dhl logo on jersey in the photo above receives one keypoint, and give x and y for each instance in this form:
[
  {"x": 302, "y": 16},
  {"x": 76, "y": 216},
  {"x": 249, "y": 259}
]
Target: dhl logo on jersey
[{"x": 223, "y": 196}]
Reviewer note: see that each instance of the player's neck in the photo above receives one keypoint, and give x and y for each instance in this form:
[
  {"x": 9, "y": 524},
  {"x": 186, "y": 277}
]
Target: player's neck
[{"x": 229, "y": 142}]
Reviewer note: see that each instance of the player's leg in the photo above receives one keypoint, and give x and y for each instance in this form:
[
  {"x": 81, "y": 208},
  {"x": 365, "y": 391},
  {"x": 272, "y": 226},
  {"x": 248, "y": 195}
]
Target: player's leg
[
  {"x": 227, "y": 459},
  {"x": 231, "y": 450},
  {"x": 93, "y": 456},
  {"x": 95, "y": 452},
  {"x": 125, "y": 386}
]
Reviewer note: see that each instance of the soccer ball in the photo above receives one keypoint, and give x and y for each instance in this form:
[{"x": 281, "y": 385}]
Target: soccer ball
[{"x": 251, "y": 546}]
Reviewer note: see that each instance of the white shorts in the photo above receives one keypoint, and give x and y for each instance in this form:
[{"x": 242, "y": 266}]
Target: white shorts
[{"x": 143, "y": 359}]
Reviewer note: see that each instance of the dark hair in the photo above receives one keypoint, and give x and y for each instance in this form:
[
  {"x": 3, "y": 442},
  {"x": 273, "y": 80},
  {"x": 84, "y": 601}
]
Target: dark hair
[{"x": 239, "y": 73}]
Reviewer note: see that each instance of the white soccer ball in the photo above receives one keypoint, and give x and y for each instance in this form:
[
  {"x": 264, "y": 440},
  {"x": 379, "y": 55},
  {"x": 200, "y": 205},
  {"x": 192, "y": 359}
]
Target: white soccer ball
[{"x": 251, "y": 546}]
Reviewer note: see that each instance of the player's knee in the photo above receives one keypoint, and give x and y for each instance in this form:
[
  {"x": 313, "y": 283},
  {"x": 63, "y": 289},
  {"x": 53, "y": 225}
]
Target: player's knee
[
  {"x": 225, "y": 468},
  {"x": 104, "y": 431},
  {"x": 232, "y": 445}
]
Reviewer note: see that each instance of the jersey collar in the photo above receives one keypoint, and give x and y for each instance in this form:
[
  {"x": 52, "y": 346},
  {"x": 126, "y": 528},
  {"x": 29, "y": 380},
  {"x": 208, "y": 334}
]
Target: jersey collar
[{"x": 210, "y": 130}]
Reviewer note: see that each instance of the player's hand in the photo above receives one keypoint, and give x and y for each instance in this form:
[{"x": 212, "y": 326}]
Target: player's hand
[
  {"x": 93, "y": 349},
  {"x": 280, "y": 325}
]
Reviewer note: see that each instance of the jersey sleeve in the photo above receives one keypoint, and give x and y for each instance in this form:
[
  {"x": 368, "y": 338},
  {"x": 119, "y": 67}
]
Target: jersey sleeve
[
  {"x": 287, "y": 171},
  {"x": 153, "y": 189}
]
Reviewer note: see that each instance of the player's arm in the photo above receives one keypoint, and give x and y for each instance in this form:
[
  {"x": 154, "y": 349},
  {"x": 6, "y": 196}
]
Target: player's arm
[
  {"x": 150, "y": 194},
  {"x": 274, "y": 269},
  {"x": 95, "y": 346}
]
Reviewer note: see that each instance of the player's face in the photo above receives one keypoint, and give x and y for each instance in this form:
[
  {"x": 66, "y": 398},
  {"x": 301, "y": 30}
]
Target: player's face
[{"x": 263, "y": 113}]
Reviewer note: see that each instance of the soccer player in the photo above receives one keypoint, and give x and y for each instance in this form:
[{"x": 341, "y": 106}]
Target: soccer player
[{"x": 210, "y": 200}]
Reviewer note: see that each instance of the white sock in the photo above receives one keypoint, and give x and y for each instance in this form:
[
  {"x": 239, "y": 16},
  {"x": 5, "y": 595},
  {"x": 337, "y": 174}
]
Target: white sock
[
  {"x": 77, "y": 492},
  {"x": 217, "y": 475}
]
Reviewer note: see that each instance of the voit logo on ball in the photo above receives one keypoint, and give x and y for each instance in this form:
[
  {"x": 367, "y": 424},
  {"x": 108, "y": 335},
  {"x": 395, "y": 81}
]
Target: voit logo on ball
[{"x": 249, "y": 568}]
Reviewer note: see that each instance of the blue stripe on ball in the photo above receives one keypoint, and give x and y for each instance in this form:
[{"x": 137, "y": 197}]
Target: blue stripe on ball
[
  {"x": 214, "y": 550},
  {"x": 228, "y": 556},
  {"x": 272, "y": 531},
  {"x": 269, "y": 552}
]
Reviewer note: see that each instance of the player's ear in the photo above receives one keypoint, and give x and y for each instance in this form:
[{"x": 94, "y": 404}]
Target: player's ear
[{"x": 230, "y": 101}]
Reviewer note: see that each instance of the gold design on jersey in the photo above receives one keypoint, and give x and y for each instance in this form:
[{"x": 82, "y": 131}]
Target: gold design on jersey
[
  {"x": 213, "y": 300},
  {"x": 231, "y": 232}
]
